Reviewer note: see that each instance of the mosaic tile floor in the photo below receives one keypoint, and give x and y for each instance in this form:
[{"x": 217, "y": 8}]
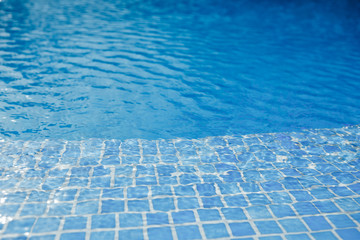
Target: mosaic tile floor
[{"x": 303, "y": 185}]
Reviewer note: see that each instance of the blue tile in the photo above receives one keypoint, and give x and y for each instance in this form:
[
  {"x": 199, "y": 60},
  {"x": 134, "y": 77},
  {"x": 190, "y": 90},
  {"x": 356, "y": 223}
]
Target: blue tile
[
  {"x": 207, "y": 168},
  {"x": 42, "y": 237},
  {"x": 344, "y": 177},
  {"x": 159, "y": 233},
  {"x": 53, "y": 183},
  {"x": 229, "y": 188},
  {"x": 48, "y": 224},
  {"x": 73, "y": 235},
  {"x": 110, "y": 206},
  {"x": 130, "y": 160},
  {"x": 349, "y": 234},
  {"x": 130, "y": 220},
  {"x": 148, "y": 180},
  {"x": 317, "y": 223},
  {"x": 233, "y": 213},
  {"x": 102, "y": 235},
  {"x": 20, "y": 226},
  {"x": 324, "y": 235},
  {"x": 281, "y": 211},
  {"x": 113, "y": 193},
  {"x": 236, "y": 201},
  {"x": 302, "y": 195},
  {"x": 258, "y": 199},
  {"x": 101, "y": 171},
  {"x": 241, "y": 229},
  {"x": 80, "y": 171},
  {"x": 188, "y": 232},
  {"x": 271, "y": 186},
  {"x": 209, "y": 214},
  {"x": 38, "y": 196},
  {"x": 123, "y": 181},
  {"x": 206, "y": 189},
  {"x": 137, "y": 192},
  {"x": 165, "y": 170},
  {"x": 169, "y": 159},
  {"x": 215, "y": 230},
  {"x": 103, "y": 221},
  {"x": 138, "y": 205},
  {"x": 209, "y": 202},
  {"x": 293, "y": 225},
  {"x": 302, "y": 236},
  {"x": 183, "y": 217},
  {"x": 78, "y": 182},
  {"x": 321, "y": 193},
  {"x": 189, "y": 178},
  {"x": 143, "y": 170},
  {"x": 60, "y": 209},
  {"x": 188, "y": 203},
  {"x": 326, "y": 206},
  {"x": 157, "y": 218},
  {"x": 163, "y": 204},
  {"x": 16, "y": 197},
  {"x": 89, "y": 194},
  {"x": 250, "y": 187},
  {"x": 131, "y": 234},
  {"x": 348, "y": 204},
  {"x": 75, "y": 223},
  {"x": 9, "y": 210},
  {"x": 88, "y": 207},
  {"x": 305, "y": 208},
  {"x": 291, "y": 183},
  {"x": 65, "y": 195},
  {"x": 124, "y": 170},
  {"x": 33, "y": 209},
  {"x": 341, "y": 221},
  {"x": 161, "y": 190},
  {"x": 280, "y": 197},
  {"x": 268, "y": 227},
  {"x": 271, "y": 238},
  {"x": 258, "y": 212},
  {"x": 356, "y": 216},
  {"x": 100, "y": 182}
]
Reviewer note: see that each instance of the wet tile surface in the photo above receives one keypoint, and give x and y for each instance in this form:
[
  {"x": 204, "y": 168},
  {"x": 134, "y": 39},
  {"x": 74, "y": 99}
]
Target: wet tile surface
[{"x": 302, "y": 185}]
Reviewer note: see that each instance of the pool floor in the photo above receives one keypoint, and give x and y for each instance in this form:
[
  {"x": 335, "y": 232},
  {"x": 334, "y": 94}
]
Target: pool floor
[{"x": 300, "y": 185}]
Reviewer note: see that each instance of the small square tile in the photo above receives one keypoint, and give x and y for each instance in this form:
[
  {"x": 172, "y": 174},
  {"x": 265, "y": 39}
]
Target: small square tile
[
  {"x": 233, "y": 213},
  {"x": 268, "y": 227},
  {"x": 160, "y": 233},
  {"x": 302, "y": 236},
  {"x": 302, "y": 195},
  {"x": 161, "y": 190},
  {"x": 324, "y": 235},
  {"x": 317, "y": 223},
  {"x": 280, "y": 197},
  {"x": 157, "y": 218},
  {"x": 131, "y": 234},
  {"x": 46, "y": 225},
  {"x": 272, "y": 186},
  {"x": 89, "y": 194},
  {"x": 110, "y": 206},
  {"x": 60, "y": 209},
  {"x": 322, "y": 193},
  {"x": 258, "y": 199},
  {"x": 65, "y": 195},
  {"x": 163, "y": 204},
  {"x": 258, "y": 212},
  {"x": 293, "y": 225},
  {"x": 305, "y": 208},
  {"x": 215, "y": 230},
  {"x": 326, "y": 206},
  {"x": 209, "y": 214},
  {"x": 206, "y": 189},
  {"x": 73, "y": 235},
  {"x": 349, "y": 233},
  {"x": 241, "y": 229},
  {"x": 138, "y": 205},
  {"x": 102, "y": 235},
  {"x": 236, "y": 201},
  {"x": 75, "y": 223},
  {"x": 130, "y": 220},
  {"x": 113, "y": 193},
  {"x": 281, "y": 211},
  {"x": 137, "y": 192},
  {"x": 33, "y": 209},
  {"x": 88, "y": 207},
  {"x": 183, "y": 217},
  {"x": 188, "y": 232},
  {"x": 20, "y": 226},
  {"x": 341, "y": 221},
  {"x": 188, "y": 203},
  {"x": 103, "y": 221},
  {"x": 348, "y": 204},
  {"x": 229, "y": 188},
  {"x": 210, "y": 202}
]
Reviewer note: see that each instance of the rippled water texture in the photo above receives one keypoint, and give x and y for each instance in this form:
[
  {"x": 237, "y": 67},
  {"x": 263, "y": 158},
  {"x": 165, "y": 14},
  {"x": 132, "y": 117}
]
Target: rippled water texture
[{"x": 175, "y": 68}]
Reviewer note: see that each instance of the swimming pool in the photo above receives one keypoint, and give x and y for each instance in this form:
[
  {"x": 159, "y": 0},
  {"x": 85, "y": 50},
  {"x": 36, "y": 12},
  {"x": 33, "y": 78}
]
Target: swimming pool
[{"x": 167, "y": 69}]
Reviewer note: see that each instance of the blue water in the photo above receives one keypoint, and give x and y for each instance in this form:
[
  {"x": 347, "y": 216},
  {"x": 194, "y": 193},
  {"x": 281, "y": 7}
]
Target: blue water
[{"x": 176, "y": 68}]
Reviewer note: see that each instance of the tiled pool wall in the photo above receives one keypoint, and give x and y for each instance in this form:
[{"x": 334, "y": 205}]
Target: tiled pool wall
[{"x": 297, "y": 185}]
